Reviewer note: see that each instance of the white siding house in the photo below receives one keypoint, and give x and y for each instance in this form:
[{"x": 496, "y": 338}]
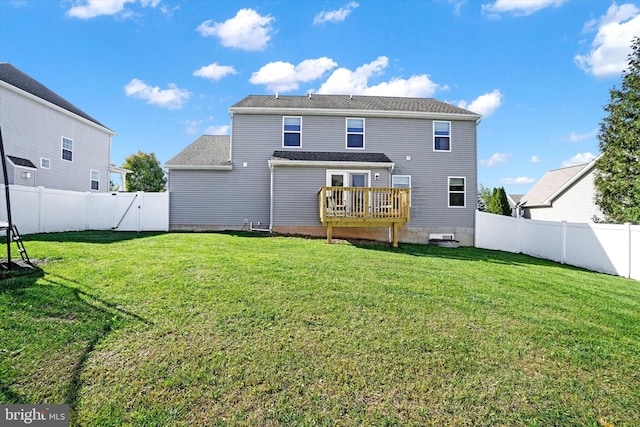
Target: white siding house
[
  {"x": 566, "y": 194},
  {"x": 48, "y": 141}
]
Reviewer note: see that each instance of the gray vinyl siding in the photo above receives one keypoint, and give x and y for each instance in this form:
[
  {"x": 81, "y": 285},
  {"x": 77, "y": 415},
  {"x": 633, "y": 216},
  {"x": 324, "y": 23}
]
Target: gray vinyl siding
[
  {"x": 296, "y": 196},
  {"x": 32, "y": 130},
  {"x": 255, "y": 137},
  {"x": 226, "y": 198},
  {"x": 15, "y": 175},
  {"x": 200, "y": 197}
]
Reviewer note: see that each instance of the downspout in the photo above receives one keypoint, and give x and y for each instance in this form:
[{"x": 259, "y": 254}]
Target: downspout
[{"x": 478, "y": 121}]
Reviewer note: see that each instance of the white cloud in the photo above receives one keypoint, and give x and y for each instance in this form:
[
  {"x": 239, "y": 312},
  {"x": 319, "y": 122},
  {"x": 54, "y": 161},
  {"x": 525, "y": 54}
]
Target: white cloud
[
  {"x": 575, "y": 137},
  {"x": 521, "y": 180},
  {"x": 519, "y": 7},
  {"x": 92, "y": 8},
  {"x": 347, "y": 82},
  {"x": 171, "y": 98},
  {"x": 248, "y": 30},
  {"x": 214, "y": 71},
  {"x": 495, "y": 159},
  {"x": 612, "y": 43},
  {"x": 457, "y": 5},
  {"x": 87, "y": 9},
  {"x": 578, "y": 159},
  {"x": 534, "y": 159},
  {"x": 192, "y": 126},
  {"x": 484, "y": 105},
  {"x": 284, "y": 76},
  {"x": 334, "y": 16},
  {"x": 217, "y": 130}
]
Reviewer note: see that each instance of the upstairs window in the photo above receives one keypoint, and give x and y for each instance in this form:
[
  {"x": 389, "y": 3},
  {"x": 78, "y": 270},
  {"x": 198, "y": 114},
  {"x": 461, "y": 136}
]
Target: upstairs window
[
  {"x": 441, "y": 136},
  {"x": 45, "y": 163},
  {"x": 355, "y": 133},
  {"x": 67, "y": 149},
  {"x": 292, "y": 132},
  {"x": 95, "y": 180},
  {"x": 457, "y": 191}
]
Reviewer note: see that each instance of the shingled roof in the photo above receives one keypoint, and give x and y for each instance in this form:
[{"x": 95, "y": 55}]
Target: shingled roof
[
  {"x": 16, "y": 78},
  {"x": 322, "y": 156},
  {"x": 19, "y": 161},
  {"x": 551, "y": 183},
  {"x": 356, "y": 102},
  {"x": 208, "y": 151}
]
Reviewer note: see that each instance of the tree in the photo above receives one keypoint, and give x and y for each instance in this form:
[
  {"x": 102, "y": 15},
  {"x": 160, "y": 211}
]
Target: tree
[
  {"x": 494, "y": 201},
  {"x": 484, "y": 198},
  {"x": 147, "y": 174},
  {"x": 617, "y": 170}
]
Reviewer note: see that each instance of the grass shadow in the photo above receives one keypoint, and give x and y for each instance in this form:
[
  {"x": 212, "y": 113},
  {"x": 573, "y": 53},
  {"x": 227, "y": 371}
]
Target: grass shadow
[
  {"x": 463, "y": 253},
  {"x": 50, "y": 330},
  {"x": 103, "y": 237}
]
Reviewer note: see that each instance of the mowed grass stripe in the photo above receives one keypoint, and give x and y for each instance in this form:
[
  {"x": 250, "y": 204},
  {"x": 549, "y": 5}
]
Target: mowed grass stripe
[{"x": 244, "y": 329}]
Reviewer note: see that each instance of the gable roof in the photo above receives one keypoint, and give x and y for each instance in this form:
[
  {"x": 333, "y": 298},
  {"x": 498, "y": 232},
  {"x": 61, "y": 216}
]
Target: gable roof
[
  {"x": 553, "y": 183},
  {"x": 206, "y": 152},
  {"x": 16, "y": 78},
  {"x": 514, "y": 199},
  {"x": 378, "y": 105},
  {"x": 318, "y": 156}
]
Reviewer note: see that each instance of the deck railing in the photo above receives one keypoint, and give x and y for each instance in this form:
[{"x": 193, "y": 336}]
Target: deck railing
[
  {"x": 363, "y": 207},
  {"x": 363, "y": 204}
]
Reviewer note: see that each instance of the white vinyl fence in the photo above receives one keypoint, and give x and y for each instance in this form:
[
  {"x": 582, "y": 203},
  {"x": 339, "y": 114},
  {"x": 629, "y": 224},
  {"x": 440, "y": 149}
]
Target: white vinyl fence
[
  {"x": 44, "y": 210},
  {"x": 607, "y": 248}
]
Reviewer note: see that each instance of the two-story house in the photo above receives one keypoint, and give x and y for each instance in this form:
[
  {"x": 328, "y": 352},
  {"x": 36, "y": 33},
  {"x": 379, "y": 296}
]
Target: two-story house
[
  {"x": 288, "y": 157},
  {"x": 48, "y": 141}
]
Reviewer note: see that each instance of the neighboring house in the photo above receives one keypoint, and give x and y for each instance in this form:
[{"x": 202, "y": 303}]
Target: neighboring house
[
  {"x": 514, "y": 205},
  {"x": 48, "y": 141},
  {"x": 566, "y": 194},
  {"x": 283, "y": 149}
]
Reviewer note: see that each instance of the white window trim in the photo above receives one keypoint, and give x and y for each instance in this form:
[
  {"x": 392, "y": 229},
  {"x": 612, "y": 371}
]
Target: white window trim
[
  {"x": 433, "y": 146},
  {"x": 346, "y": 133},
  {"x": 299, "y": 132},
  {"x": 449, "y": 192},
  {"x": 393, "y": 178},
  {"x": 62, "y": 148},
  {"x": 348, "y": 173},
  {"x": 48, "y": 161},
  {"x": 91, "y": 180}
]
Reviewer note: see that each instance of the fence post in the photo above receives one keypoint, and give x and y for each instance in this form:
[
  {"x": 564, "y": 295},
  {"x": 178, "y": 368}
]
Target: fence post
[
  {"x": 521, "y": 225},
  {"x": 40, "y": 210},
  {"x": 627, "y": 233},
  {"x": 563, "y": 255},
  {"x": 139, "y": 217}
]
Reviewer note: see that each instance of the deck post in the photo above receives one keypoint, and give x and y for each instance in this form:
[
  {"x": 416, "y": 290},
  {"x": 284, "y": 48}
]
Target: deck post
[
  {"x": 329, "y": 233},
  {"x": 395, "y": 234}
]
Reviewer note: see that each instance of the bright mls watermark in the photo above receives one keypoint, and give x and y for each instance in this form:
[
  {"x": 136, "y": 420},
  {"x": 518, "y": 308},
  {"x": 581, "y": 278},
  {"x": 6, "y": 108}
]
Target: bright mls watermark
[{"x": 34, "y": 415}]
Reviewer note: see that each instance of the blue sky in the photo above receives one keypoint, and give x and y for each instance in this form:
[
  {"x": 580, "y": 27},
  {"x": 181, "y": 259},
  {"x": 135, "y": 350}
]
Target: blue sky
[{"x": 160, "y": 73}]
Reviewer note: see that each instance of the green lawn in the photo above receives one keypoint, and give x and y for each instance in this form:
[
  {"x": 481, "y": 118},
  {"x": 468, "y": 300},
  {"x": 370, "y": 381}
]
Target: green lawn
[{"x": 241, "y": 329}]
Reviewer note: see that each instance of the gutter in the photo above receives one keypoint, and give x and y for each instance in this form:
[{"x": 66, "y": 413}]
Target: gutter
[
  {"x": 359, "y": 113},
  {"x": 327, "y": 164},
  {"x": 199, "y": 167}
]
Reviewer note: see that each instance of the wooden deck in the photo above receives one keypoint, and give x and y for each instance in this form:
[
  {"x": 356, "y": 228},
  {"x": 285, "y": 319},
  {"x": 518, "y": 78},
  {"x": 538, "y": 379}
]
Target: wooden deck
[{"x": 363, "y": 207}]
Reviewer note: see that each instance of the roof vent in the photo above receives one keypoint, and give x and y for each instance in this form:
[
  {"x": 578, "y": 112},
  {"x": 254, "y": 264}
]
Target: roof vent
[
  {"x": 276, "y": 94},
  {"x": 309, "y": 95},
  {"x": 350, "y": 96}
]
